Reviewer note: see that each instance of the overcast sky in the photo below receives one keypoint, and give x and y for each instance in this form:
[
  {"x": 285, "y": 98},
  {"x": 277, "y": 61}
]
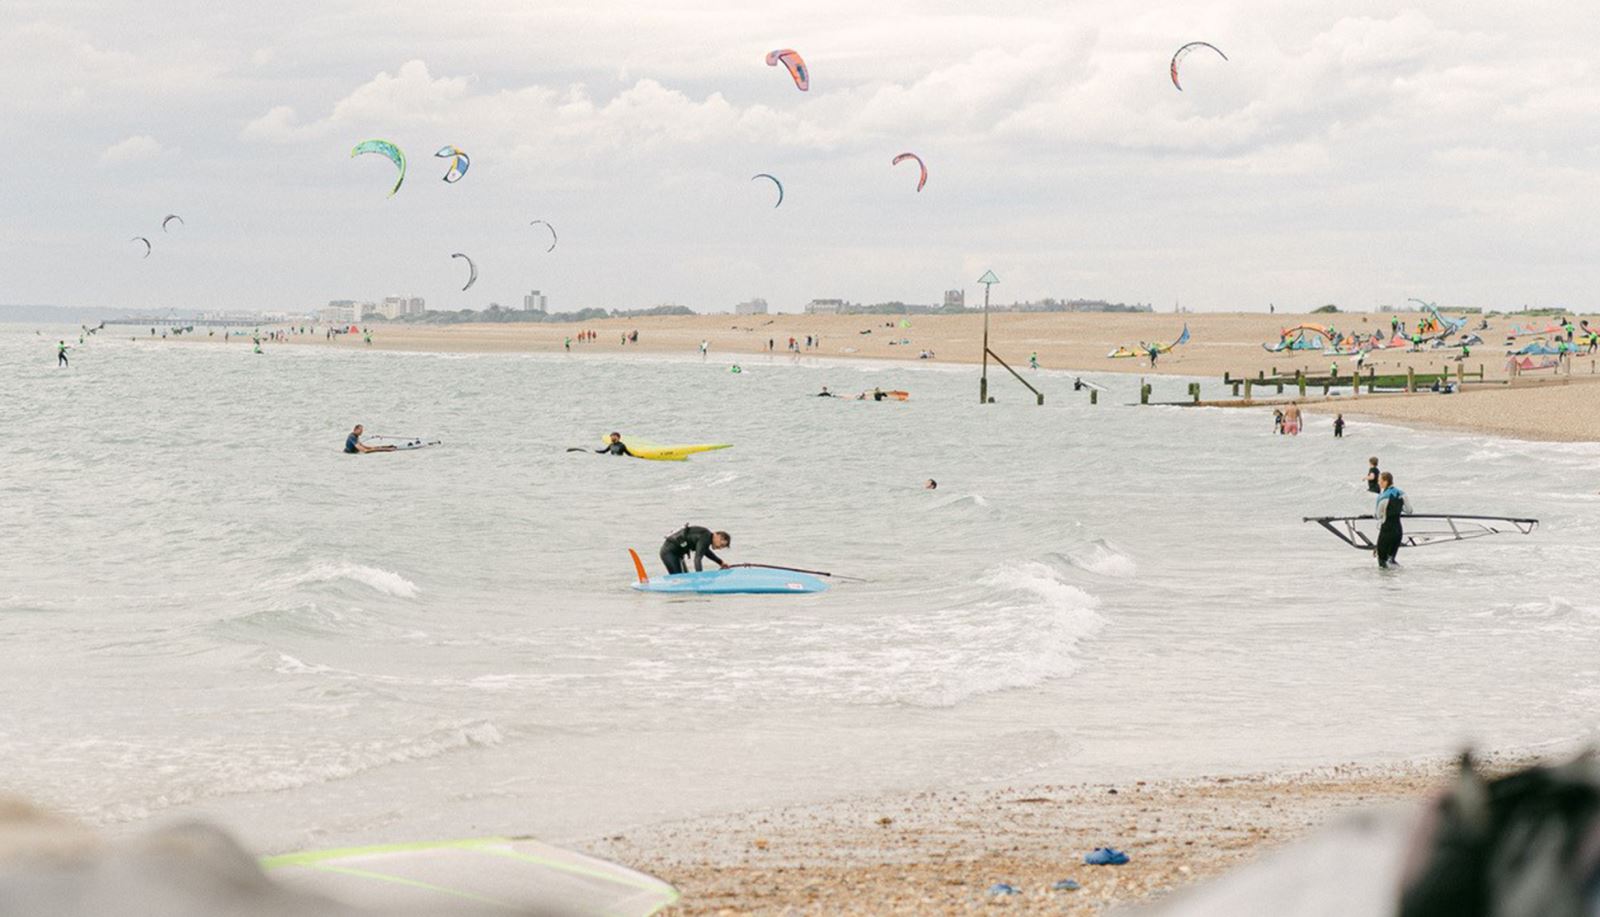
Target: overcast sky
[{"x": 1357, "y": 153}]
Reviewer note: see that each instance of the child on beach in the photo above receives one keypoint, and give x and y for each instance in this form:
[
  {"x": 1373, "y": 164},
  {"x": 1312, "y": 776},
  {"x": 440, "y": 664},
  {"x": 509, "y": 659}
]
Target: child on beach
[
  {"x": 1373, "y": 475},
  {"x": 1338, "y": 426}
]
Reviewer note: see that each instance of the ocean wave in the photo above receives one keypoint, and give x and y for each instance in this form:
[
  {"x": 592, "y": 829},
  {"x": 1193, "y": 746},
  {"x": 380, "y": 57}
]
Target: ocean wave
[
  {"x": 374, "y": 578},
  {"x": 1104, "y": 560}
]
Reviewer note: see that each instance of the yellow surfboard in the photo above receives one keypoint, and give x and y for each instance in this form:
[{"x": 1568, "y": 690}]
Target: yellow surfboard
[{"x": 645, "y": 449}]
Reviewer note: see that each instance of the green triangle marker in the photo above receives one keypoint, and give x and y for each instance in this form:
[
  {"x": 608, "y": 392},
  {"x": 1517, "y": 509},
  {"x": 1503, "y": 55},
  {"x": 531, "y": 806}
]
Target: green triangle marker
[{"x": 988, "y": 277}]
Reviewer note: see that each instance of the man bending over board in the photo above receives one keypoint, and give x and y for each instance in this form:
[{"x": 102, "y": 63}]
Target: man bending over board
[
  {"x": 696, "y": 540},
  {"x": 354, "y": 446}
]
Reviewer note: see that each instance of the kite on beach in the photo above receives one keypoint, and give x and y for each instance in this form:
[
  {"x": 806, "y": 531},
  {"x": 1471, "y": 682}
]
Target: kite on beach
[
  {"x": 389, "y": 150},
  {"x": 774, "y": 181},
  {"x": 791, "y": 59},
  {"x": 459, "y": 163},
  {"x": 472, "y": 277},
  {"x": 1184, "y": 52},
  {"x": 923, "y": 178},
  {"x": 1149, "y": 350}
]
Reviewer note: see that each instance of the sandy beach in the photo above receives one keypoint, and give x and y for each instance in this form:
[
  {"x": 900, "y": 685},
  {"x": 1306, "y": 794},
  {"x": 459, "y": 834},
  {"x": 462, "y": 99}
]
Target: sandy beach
[
  {"x": 942, "y": 852},
  {"x": 1538, "y": 406}
]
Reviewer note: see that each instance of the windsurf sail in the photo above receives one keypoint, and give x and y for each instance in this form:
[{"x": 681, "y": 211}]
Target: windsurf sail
[
  {"x": 516, "y": 875},
  {"x": 1422, "y": 529}
]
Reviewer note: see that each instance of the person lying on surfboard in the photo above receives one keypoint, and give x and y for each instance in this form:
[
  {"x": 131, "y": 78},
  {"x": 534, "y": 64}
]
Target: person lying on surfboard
[
  {"x": 696, "y": 540},
  {"x": 354, "y": 446},
  {"x": 615, "y": 447}
]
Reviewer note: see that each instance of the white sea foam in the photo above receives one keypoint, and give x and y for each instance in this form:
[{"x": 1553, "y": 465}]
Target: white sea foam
[{"x": 374, "y": 578}]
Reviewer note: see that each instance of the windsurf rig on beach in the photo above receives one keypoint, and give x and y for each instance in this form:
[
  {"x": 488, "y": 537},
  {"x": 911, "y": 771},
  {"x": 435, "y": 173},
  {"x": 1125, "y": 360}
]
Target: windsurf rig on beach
[
  {"x": 388, "y": 150},
  {"x": 1184, "y": 52},
  {"x": 472, "y": 276},
  {"x": 791, "y": 59},
  {"x": 922, "y": 179},
  {"x": 552, "y": 229},
  {"x": 775, "y": 182},
  {"x": 459, "y": 163},
  {"x": 147, "y": 246},
  {"x": 1422, "y": 529}
]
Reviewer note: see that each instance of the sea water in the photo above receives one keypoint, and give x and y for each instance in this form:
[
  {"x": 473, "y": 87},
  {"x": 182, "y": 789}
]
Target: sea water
[{"x": 208, "y": 610}]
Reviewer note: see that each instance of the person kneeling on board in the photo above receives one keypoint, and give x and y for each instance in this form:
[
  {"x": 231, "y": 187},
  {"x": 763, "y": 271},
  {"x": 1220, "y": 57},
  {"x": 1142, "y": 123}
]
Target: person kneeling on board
[
  {"x": 354, "y": 446},
  {"x": 615, "y": 447},
  {"x": 696, "y": 540}
]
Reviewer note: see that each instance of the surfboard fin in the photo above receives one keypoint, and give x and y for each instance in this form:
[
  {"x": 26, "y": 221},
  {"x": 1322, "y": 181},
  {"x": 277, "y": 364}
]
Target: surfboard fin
[{"x": 638, "y": 566}]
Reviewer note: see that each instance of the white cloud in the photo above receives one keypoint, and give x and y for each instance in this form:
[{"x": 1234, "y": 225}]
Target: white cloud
[{"x": 134, "y": 149}]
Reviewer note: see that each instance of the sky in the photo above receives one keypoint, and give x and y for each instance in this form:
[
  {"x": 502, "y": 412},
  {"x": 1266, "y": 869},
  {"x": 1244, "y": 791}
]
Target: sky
[{"x": 1357, "y": 153}]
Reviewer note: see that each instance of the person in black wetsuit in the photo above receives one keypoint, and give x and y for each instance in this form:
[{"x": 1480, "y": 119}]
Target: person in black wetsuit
[
  {"x": 693, "y": 540},
  {"x": 1372, "y": 475},
  {"x": 354, "y": 446},
  {"x": 615, "y": 447},
  {"x": 1391, "y": 505}
]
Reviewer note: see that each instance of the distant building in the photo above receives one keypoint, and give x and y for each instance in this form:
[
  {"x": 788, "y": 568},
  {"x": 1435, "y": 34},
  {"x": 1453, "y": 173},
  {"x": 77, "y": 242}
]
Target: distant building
[
  {"x": 416, "y": 305},
  {"x": 752, "y": 307},
  {"x": 339, "y": 312},
  {"x": 824, "y": 307},
  {"x": 534, "y": 302},
  {"x": 955, "y": 299}
]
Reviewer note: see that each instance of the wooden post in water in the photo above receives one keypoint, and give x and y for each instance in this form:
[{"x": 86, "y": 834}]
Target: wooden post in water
[
  {"x": 1094, "y": 396},
  {"x": 1236, "y": 387},
  {"x": 1144, "y": 392},
  {"x": 1247, "y": 384},
  {"x": 1411, "y": 379},
  {"x": 1194, "y": 392}
]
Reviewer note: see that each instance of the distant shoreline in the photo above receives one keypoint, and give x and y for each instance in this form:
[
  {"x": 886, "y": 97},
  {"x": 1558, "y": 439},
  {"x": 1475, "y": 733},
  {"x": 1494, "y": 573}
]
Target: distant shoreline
[{"x": 1542, "y": 407}]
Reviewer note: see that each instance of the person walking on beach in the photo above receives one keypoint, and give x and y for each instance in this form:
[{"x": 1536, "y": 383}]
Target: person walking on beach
[
  {"x": 693, "y": 540},
  {"x": 353, "y": 444},
  {"x": 1373, "y": 475},
  {"x": 1392, "y": 504},
  {"x": 1338, "y": 426},
  {"x": 61, "y": 354},
  {"x": 705, "y": 346},
  {"x": 1033, "y": 360}
]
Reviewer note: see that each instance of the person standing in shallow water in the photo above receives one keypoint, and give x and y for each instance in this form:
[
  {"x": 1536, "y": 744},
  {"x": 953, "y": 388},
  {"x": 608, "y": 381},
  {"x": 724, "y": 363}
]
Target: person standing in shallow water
[
  {"x": 1392, "y": 504},
  {"x": 61, "y": 354},
  {"x": 1373, "y": 475},
  {"x": 1338, "y": 427}
]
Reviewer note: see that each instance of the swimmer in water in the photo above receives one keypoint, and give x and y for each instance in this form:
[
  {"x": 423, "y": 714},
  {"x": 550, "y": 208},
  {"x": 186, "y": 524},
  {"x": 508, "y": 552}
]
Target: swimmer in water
[
  {"x": 615, "y": 447},
  {"x": 354, "y": 446}
]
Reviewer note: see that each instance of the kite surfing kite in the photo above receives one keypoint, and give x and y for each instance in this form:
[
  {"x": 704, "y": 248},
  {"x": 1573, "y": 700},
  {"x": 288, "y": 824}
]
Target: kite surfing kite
[
  {"x": 146, "y": 242},
  {"x": 384, "y": 148},
  {"x": 1184, "y": 52},
  {"x": 797, "y": 66},
  {"x": 459, "y": 163},
  {"x": 168, "y": 219},
  {"x": 472, "y": 278},
  {"x": 1149, "y": 350},
  {"x": 923, "y": 180},
  {"x": 775, "y": 181},
  {"x": 552, "y": 233}
]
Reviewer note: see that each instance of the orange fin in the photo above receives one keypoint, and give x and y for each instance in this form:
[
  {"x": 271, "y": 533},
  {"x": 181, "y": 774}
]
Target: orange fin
[{"x": 638, "y": 566}]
